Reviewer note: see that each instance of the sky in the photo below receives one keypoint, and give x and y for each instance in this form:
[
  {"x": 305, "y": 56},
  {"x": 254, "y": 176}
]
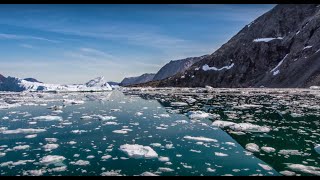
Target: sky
[{"x": 76, "y": 43}]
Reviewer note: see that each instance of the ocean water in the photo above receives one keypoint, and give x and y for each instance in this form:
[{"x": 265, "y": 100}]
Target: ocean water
[{"x": 91, "y": 146}]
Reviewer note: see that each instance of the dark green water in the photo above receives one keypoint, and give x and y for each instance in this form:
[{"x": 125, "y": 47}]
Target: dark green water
[{"x": 186, "y": 157}]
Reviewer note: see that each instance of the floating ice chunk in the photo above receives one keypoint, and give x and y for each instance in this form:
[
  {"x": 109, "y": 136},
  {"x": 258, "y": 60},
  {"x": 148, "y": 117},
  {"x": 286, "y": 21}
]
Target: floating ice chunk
[
  {"x": 191, "y": 101},
  {"x": 110, "y": 123},
  {"x": 211, "y": 170},
  {"x": 23, "y": 131},
  {"x": 111, "y": 173},
  {"x": 220, "y": 154},
  {"x": 182, "y": 122},
  {"x": 223, "y": 124},
  {"x": 86, "y": 117},
  {"x": 18, "y": 163},
  {"x": 198, "y": 115},
  {"x": 248, "y": 127},
  {"x": 178, "y": 104},
  {"x": 296, "y": 115},
  {"x": 78, "y": 131},
  {"x": 156, "y": 144},
  {"x": 106, "y": 118},
  {"x": 231, "y": 144},
  {"x": 164, "y": 115},
  {"x": 252, "y": 147},
  {"x": 317, "y": 148},
  {"x": 139, "y": 114},
  {"x": 90, "y": 157},
  {"x": 68, "y": 101},
  {"x": 148, "y": 174},
  {"x": 22, "y": 147},
  {"x": 80, "y": 163},
  {"x": 51, "y": 140},
  {"x": 206, "y": 67},
  {"x": 169, "y": 146},
  {"x": 72, "y": 142},
  {"x": 138, "y": 151},
  {"x": 50, "y": 147},
  {"x": 163, "y": 169},
  {"x": 2, "y": 154},
  {"x": 195, "y": 151},
  {"x": 290, "y": 152},
  {"x": 315, "y": 87},
  {"x": 305, "y": 169},
  {"x": 203, "y": 139},
  {"x": 287, "y": 173},
  {"x": 266, "y": 39},
  {"x": 120, "y": 131},
  {"x": 268, "y": 149},
  {"x": 39, "y": 172},
  {"x": 31, "y": 136},
  {"x": 106, "y": 157},
  {"x": 48, "y": 118},
  {"x": 5, "y": 118},
  {"x": 265, "y": 167},
  {"x": 163, "y": 159},
  {"x": 58, "y": 169},
  {"x": 52, "y": 159}
]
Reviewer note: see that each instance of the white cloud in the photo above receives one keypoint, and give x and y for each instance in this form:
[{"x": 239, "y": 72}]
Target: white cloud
[{"x": 25, "y": 37}]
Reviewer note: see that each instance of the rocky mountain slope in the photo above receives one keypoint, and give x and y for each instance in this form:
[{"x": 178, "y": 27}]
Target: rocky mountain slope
[
  {"x": 177, "y": 66},
  {"x": 280, "y": 49},
  {"x": 2, "y": 78},
  {"x": 137, "y": 80}
]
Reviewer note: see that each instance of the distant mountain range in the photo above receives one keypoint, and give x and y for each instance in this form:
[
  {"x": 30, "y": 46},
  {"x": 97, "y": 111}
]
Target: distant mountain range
[
  {"x": 14, "y": 84},
  {"x": 280, "y": 49},
  {"x": 170, "y": 69},
  {"x": 137, "y": 80}
]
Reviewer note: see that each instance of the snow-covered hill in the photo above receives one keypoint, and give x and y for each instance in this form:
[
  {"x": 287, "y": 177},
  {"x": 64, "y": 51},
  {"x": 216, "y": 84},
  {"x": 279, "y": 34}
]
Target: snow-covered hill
[{"x": 17, "y": 85}]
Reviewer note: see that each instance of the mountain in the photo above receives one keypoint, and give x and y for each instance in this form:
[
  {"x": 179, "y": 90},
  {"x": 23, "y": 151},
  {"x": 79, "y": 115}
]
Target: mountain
[
  {"x": 177, "y": 66},
  {"x": 18, "y": 85},
  {"x": 2, "y": 78},
  {"x": 111, "y": 83},
  {"x": 32, "y": 80},
  {"x": 137, "y": 80},
  {"x": 280, "y": 49}
]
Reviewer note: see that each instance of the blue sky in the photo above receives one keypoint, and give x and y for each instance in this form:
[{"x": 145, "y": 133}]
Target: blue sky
[{"x": 75, "y": 43}]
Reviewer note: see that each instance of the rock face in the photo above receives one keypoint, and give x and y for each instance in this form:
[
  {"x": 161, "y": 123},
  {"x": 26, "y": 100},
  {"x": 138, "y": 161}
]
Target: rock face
[
  {"x": 137, "y": 80},
  {"x": 175, "y": 67},
  {"x": 280, "y": 49}
]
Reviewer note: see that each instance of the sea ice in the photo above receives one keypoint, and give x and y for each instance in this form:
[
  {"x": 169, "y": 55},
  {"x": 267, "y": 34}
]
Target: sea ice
[
  {"x": 138, "y": 151},
  {"x": 268, "y": 149},
  {"x": 305, "y": 169},
  {"x": 48, "y": 118},
  {"x": 52, "y": 159},
  {"x": 148, "y": 174},
  {"x": 31, "y": 136},
  {"x": 23, "y": 147},
  {"x": 50, "y": 147},
  {"x": 80, "y": 163},
  {"x": 248, "y": 127},
  {"x": 252, "y": 147},
  {"x": 163, "y": 159},
  {"x": 106, "y": 118},
  {"x": 23, "y": 131},
  {"x": 221, "y": 154},
  {"x": 203, "y": 139}
]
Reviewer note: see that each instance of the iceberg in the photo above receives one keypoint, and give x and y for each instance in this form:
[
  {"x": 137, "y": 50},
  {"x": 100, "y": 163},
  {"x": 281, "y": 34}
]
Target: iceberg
[
  {"x": 52, "y": 159},
  {"x": 138, "y": 151}
]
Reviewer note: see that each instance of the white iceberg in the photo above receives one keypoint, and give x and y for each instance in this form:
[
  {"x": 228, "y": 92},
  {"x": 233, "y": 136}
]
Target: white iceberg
[
  {"x": 252, "y": 147},
  {"x": 52, "y": 159},
  {"x": 48, "y": 118},
  {"x": 138, "y": 151},
  {"x": 203, "y": 139}
]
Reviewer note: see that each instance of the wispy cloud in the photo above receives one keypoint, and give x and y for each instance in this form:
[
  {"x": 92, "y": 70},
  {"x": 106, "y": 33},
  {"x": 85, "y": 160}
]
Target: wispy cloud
[
  {"x": 25, "y": 37},
  {"x": 28, "y": 46}
]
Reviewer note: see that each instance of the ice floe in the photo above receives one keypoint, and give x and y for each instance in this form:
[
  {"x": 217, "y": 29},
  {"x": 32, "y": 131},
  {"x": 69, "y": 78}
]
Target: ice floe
[
  {"x": 163, "y": 159},
  {"x": 203, "y": 139},
  {"x": 52, "y": 159},
  {"x": 50, "y": 147},
  {"x": 252, "y": 147},
  {"x": 268, "y": 149},
  {"x": 80, "y": 163},
  {"x": 305, "y": 169},
  {"x": 138, "y": 151},
  {"x": 148, "y": 174},
  {"x": 220, "y": 154},
  {"x": 48, "y": 118},
  {"x": 22, "y": 147},
  {"x": 23, "y": 131}
]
